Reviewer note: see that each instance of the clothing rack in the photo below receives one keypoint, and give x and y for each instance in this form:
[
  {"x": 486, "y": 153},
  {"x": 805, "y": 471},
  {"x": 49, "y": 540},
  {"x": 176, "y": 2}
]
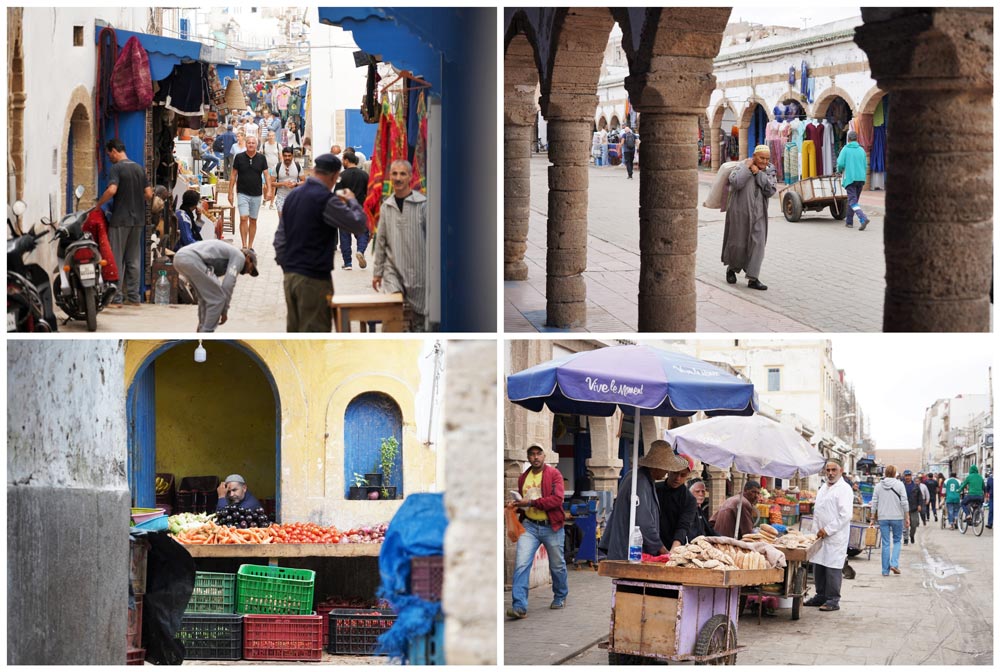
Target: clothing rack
[{"x": 410, "y": 77}]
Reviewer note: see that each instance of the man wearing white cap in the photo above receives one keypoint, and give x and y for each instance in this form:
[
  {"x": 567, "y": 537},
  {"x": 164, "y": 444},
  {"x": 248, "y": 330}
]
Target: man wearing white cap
[
  {"x": 750, "y": 187},
  {"x": 233, "y": 492}
]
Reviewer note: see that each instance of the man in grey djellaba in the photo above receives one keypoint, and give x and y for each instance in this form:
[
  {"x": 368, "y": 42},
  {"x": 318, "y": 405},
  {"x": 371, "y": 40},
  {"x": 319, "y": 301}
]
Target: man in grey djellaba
[{"x": 750, "y": 187}]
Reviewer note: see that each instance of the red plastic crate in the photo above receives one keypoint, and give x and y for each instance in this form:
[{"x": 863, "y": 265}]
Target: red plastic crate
[
  {"x": 427, "y": 577},
  {"x": 135, "y": 657},
  {"x": 325, "y": 613},
  {"x": 281, "y": 637},
  {"x": 134, "y": 637}
]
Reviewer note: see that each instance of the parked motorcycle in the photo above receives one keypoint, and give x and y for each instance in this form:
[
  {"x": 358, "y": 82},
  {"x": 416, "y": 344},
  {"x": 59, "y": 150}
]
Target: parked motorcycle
[
  {"x": 80, "y": 289},
  {"x": 29, "y": 294}
]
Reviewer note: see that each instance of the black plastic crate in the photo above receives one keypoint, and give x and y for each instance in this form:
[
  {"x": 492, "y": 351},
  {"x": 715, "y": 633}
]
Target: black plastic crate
[
  {"x": 212, "y": 636},
  {"x": 356, "y": 631}
]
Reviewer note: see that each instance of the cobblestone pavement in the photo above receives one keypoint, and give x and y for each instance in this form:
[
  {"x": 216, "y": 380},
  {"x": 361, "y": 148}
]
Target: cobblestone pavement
[
  {"x": 258, "y": 304},
  {"x": 821, "y": 275},
  {"x": 939, "y": 611}
]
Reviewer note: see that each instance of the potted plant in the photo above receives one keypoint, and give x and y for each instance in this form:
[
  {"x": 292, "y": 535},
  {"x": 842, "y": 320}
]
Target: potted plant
[
  {"x": 359, "y": 490},
  {"x": 388, "y": 452}
]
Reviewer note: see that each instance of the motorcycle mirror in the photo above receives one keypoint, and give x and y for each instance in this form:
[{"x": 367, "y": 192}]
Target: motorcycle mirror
[
  {"x": 19, "y": 207},
  {"x": 79, "y": 191}
]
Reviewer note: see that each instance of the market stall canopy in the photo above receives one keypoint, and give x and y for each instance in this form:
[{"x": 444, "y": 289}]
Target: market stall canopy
[
  {"x": 411, "y": 38},
  {"x": 166, "y": 52},
  {"x": 657, "y": 382},
  {"x": 754, "y": 445}
]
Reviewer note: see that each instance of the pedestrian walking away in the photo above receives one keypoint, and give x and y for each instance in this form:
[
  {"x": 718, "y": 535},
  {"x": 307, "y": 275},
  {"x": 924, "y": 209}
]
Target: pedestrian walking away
[
  {"x": 932, "y": 487},
  {"x": 129, "y": 187},
  {"x": 251, "y": 174},
  {"x": 890, "y": 509},
  {"x": 852, "y": 162},
  {"x": 627, "y": 143},
  {"x": 305, "y": 242},
  {"x": 976, "y": 485},
  {"x": 653, "y": 467},
  {"x": 925, "y": 497},
  {"x": 745, "y": 235},
  {"x": 915, "y": 501},
  {"x": 952, "y": 499},
  {"x": 355, "y": 179},
  {"x": 540, "y": 503},
  {"x": 225, "y": 141},
  {"x": 834, "y": 507},
  {"x": 203, "y": 263},
  {"x": 401, "y": 246}
]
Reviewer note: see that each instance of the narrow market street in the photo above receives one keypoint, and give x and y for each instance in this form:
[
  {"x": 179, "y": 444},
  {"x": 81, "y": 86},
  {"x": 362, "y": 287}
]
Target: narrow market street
[
  {"x": 820, "y": 275},
  {"x": 938, "y": 612},
  {"x": 258, "y": 303}
]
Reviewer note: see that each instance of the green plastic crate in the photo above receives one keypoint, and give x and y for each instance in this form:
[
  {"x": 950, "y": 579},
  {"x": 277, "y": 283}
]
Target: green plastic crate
[
  {"x": 274, "y": 590},
  {"x": 214, "y": 593}
]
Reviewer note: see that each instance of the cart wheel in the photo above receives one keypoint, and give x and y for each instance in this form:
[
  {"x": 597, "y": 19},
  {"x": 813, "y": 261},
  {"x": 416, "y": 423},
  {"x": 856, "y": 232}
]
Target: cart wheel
[
  {"x": 839, "y": 209},
  {"x": 799, "y": 588},
  {"x": 716, "y": 636},
  {"x": 791, "y": 205}
]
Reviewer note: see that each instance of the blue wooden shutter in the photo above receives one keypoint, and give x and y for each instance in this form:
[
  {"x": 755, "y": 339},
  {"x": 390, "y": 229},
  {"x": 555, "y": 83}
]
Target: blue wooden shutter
[
  {"x": 142, "y": 438},
  {"x": 368, "y": 419}
]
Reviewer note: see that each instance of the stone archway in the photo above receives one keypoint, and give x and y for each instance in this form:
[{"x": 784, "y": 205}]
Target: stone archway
[
  {"x": 870, "y": 100},
  {"x": 602, "y": 123},
  {"x": 745, "y": 119},
  {"x": 16, "y": 100},
  {"x": 78, "y": 125},
  {"x": 615, "y": 123},
  {"x": 715, "y": 128},
  {"x": 824, "y": 100}
]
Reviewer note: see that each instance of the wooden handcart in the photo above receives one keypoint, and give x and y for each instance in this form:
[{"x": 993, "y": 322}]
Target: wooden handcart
[
  {"x": 680, "y": 614},
  {"x": 856, "y": 541},
  {"x": 795, "y": 583},
  {"x": 814, "y": 193}
]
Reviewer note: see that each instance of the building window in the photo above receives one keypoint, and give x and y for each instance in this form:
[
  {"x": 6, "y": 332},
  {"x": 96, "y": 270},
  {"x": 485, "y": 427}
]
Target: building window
[
  {"x": 774, "y": 379},
  {"x": 77, "y": 36},
  {"x": 371, "y": 420}
]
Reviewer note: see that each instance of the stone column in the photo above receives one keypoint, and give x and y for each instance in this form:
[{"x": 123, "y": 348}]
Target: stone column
[
  {"x": 520, "y": 112},
  {"x": 938, "y": 70},
  {"x": 716, "y": 148},
  {"x": 471, "y": 497},
  {"x": 716, "y": 488},
  {"x": 744, "y": 141},
  {"x": 66, "y": 461}
]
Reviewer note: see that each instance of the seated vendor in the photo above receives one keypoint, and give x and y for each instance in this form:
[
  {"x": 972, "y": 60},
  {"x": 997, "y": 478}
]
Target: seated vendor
[
  {"x": 678, "y": 508},
  {"x": 724, "y": 520},
  {"x": 233, "y": 492}
]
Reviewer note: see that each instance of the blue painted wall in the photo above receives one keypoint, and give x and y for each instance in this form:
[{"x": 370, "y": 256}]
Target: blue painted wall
[
  {"x": 368, "y": 419},
  {"x": 360, "y": 136},
  {"x": 142, "y": 438}
]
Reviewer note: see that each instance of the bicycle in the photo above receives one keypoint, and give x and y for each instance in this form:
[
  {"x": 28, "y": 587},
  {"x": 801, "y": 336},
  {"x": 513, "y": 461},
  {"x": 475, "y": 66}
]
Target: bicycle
[{"x": 978, "y": 522}]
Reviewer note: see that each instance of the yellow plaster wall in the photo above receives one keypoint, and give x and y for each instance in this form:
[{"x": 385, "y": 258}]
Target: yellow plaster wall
[
  {"x": 215, "y": 418},
  {"x": 316, "y": 379}
]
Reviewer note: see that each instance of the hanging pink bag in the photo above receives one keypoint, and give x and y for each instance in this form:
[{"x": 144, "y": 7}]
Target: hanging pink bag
[{"x": 131, "y": 82}]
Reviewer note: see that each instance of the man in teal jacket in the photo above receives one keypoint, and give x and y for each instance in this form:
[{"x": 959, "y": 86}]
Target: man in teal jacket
[
  {"x": 952, "y": 499},
  {"x": 975, "y": 483},
  {"x": 853, "y": 163}
]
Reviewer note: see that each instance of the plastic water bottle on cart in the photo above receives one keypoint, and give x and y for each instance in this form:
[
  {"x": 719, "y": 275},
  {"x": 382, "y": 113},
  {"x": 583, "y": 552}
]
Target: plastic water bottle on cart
[
  {"x": 635, "y": 545},
  {"x": 162, "y": 290}
]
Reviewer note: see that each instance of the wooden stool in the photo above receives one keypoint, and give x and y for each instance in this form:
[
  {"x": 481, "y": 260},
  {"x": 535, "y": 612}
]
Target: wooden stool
[
  {"x": 384, "y": 308},
  {"x": 223, "y": 205}
]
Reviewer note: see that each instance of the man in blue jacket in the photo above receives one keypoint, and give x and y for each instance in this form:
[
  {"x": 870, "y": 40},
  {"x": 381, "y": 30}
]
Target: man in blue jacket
[
  {"x": 234, "y": 492},
  {"x": 311, "y": 220},
  {"x": 853, "y": 163}
]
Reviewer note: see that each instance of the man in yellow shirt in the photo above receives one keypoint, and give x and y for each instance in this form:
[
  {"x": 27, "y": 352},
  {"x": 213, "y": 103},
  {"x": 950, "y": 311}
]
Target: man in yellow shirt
[{"x": 541, "y": 498}]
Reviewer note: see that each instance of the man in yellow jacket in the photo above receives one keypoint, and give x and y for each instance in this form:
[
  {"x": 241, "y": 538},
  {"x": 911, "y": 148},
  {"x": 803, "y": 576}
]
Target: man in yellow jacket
[{"x": 853, "y": 163}]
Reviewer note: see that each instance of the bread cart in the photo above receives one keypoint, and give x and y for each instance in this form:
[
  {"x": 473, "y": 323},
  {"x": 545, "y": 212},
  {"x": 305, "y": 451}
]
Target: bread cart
[
  {"x": 679, "y": 614},
  {"x": 814, "y": 193},
  {"x": 795, "y": 582}
]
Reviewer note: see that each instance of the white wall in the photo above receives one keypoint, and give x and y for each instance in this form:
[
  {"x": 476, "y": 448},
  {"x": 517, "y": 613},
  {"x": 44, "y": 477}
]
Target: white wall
[{"x": 336, "y": 83}]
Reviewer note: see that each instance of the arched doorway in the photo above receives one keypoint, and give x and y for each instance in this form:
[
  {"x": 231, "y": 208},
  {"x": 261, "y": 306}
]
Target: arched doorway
[
  {"x": 756, "y": 120},
  {"x": 79, "y": 166},
  {"x": 219, "y": 417},
  {"x": 370, "y": 418},
  {"x": 615, "y": 123},
  {"x": 602, "y": 123},
  {"x": 835, "y": 113}
]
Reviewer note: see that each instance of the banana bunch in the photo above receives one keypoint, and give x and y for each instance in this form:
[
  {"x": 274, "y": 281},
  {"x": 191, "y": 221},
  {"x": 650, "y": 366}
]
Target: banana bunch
[{"x": 162, "y": 485}]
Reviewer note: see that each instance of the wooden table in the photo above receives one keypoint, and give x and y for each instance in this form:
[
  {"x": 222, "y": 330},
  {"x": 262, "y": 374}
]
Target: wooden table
[
  {"x": 274, "y": 552},
  {"x": 384, "y": 308}
]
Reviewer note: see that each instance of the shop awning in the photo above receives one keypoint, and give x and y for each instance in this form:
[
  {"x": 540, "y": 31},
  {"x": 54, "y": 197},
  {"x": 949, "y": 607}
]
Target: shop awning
[
  {"x": 166, "y": 52},
  {"x": 245, "y": 64},
  {"x": 411, "y": 38},
  {"x": 226, "y": 72}
]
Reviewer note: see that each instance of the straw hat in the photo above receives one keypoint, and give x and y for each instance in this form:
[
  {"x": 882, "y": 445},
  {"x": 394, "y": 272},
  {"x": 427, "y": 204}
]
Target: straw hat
[
  {"x": 661, "y": 456},
  {"x": 234, "y": 96}
]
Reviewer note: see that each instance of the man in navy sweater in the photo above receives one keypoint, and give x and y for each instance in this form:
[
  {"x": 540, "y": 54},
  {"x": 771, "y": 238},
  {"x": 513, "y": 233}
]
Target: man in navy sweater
[{"x": 304, "y": 245}]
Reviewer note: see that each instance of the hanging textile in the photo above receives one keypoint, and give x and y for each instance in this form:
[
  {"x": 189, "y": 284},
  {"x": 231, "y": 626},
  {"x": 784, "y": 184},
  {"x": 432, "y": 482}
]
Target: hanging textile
[
  {"x": 398, "y": 150},
  {"x": 791, "y": 163},
  {"x": 878, "y": 150},
  {"x": 829, "y": 152},
  {"x": 379, "y": 164},
  {"x": 419, "y": 182},
  {"x": 185, "y": 90},
  {"x": 131, "y": 85}
]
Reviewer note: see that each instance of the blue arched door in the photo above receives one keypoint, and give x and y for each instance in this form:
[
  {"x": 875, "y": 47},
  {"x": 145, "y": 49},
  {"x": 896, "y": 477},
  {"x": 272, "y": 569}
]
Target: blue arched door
[{"x": 369, "y": 418}]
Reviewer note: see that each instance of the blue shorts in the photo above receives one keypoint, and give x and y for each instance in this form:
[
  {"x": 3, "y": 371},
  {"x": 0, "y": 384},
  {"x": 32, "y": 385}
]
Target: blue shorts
[{"x": 249, "y": 205}]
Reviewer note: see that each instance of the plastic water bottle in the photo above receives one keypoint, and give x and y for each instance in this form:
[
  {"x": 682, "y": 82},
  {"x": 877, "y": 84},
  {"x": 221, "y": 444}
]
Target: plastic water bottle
[
  {"x": 635, "y": 545},
  {"x": 162, "y": 292}
]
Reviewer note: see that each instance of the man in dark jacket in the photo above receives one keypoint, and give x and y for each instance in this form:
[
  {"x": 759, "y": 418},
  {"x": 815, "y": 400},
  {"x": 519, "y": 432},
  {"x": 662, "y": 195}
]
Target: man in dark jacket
[
  {"x": 915, "y": 499},
  {"x": 356, "y": 180},
  {"x": 234, "y": 492},
  {"x": 932, "y": 490},
  {"x": 541, "y": 493},
  {"x": 306, "y": 239},
  {"x": 678, "y": 507}
]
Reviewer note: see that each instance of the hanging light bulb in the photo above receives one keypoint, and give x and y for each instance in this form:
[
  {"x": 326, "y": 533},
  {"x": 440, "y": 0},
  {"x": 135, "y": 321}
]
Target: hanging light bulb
[{"x": 199, "y": 353}]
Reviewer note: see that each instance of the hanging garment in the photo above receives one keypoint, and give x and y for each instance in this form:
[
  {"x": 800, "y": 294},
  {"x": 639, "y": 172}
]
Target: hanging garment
[
  {"x": 815, "y": 133},
  {"x": 779, "y": 112},
  {"x": 771, "y": 130},
  {"x": 185, "y": 90},
  {"x": 808, "y": 159},
  {"x": 419, "y": 181},
  {"x": 803, "y": 77},
  {"x": 791, "y": 167},
  {"x": 777, "y": 148},
  {"x": 799, "y": 131},
  {"x": 863, "y": 127},
  {"x": 791, "y": 76},
  {"x": 281, "y": 96},
  {"x": 811, "y": 90},
  {"x": 878, "y": 119},
  {"x": 878, "y": 150},
  {"x": 784, "y": 131},
  {"x": 379, "y": 163},
  {"x": 828, "y": 150},
  {"x": 131, "y": 83}
]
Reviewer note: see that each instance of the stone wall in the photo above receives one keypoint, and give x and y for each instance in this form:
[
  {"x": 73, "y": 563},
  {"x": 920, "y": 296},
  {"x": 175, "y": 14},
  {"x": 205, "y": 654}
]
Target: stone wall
[
  {"x": 67, "y": 503},
  {"x": 471, "y": 498}
]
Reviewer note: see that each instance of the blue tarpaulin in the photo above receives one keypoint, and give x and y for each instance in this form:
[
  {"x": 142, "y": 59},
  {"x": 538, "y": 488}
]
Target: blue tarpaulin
[
  {"x": 417, "y": 530},
  {"x": 164, "y": 52}
]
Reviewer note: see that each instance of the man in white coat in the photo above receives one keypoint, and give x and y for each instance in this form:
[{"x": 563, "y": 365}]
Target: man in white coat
[{"x": 834, "y": 506}]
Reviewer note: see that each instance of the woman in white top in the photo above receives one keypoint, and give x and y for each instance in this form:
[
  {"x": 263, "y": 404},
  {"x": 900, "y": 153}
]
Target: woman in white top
[{"x": 272, "y": 152}]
